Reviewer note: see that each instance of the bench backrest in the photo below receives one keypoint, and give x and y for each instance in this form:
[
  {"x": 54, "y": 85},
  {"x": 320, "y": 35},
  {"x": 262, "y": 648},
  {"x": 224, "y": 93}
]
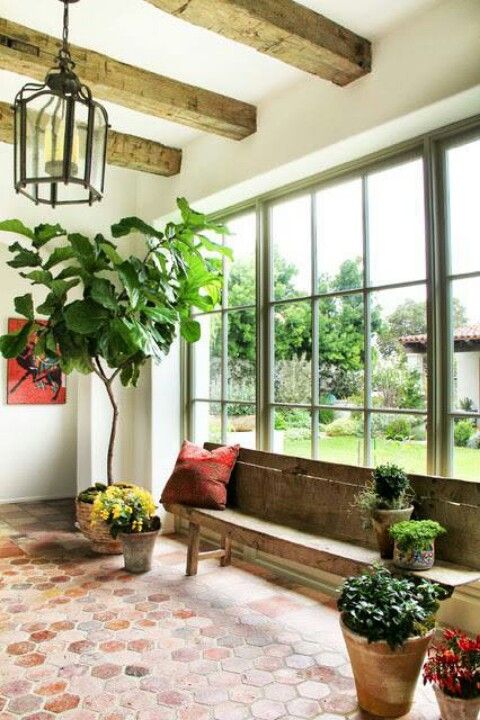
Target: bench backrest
[{"x": 318, "y": 497}]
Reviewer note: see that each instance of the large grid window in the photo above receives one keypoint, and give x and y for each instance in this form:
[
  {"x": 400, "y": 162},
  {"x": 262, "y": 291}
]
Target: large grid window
[
  {"x": 225, "y": 359},
  {"x": 348, "y": 268},
  {"x": 350, "y": 324}
]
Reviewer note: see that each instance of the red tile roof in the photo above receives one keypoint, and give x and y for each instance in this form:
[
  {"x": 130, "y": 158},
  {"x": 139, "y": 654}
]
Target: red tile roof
[{"x": 468, "y": 333}]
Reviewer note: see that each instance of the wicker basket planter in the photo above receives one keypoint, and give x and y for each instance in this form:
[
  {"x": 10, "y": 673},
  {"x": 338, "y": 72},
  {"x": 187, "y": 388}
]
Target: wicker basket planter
[{"x": 98, "y": 534}]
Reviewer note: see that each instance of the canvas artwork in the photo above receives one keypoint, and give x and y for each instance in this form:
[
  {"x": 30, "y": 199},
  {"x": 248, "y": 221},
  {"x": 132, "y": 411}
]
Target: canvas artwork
[{"x": 33, "y": 380}]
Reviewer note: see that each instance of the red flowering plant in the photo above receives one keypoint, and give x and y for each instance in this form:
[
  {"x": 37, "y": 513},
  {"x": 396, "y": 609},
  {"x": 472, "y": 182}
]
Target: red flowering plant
[{"x": 454, "y": 665}]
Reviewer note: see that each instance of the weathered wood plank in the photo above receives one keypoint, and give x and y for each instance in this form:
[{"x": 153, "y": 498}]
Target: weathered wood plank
[
  {"x": 320, "y": 552},
  {"x": 319, "y": 497},
  {"x": 32, "y": 53},
  {"x": 123, "y": 150},
  {"x": 283, "y": 29}
]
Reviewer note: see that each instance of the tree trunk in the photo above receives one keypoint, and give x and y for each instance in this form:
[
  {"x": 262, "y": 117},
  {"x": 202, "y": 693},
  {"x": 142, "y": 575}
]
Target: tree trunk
[{"x": 113, "y": 432}]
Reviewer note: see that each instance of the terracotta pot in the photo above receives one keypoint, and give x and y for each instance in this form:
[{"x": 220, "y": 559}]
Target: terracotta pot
[
  {"x": 98, "y": 534},
  {"x": 382, "y": 522},
  {"x": 414, "y": 559},
  {"x": 138, "y": 550},
  {"x": 457, "y": 708},
  {"x": 385, "y": 679}
]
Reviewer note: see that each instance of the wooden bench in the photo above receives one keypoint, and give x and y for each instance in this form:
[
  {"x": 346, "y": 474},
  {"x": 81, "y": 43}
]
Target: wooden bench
[{"x": 302, "y": 510}]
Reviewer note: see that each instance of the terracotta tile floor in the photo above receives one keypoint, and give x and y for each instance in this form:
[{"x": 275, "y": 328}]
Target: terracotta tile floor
[{"x": 80, "y": 639}]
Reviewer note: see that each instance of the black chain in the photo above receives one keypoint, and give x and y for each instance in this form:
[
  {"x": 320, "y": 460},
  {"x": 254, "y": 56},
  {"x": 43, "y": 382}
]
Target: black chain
[{"x": 64, "y": 58}]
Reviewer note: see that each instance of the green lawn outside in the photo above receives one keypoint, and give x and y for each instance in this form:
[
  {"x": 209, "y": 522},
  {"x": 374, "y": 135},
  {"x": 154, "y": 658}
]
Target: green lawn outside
[{"x": 410, "y": 455}]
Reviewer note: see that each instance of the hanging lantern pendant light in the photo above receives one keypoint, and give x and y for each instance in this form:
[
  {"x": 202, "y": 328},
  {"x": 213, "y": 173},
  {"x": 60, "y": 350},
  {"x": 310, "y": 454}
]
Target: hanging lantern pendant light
[{"x": 60, "y": 136}]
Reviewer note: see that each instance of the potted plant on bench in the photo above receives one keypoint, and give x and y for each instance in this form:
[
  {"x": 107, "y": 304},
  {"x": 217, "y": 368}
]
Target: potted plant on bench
[
  {"x": 125, "y": 310},
  {"x": 387, "y": 623},
  {"x": 386, "y": 500},
  {"x": 453, "y": 668},
  {"x": 414, "y": 543}
]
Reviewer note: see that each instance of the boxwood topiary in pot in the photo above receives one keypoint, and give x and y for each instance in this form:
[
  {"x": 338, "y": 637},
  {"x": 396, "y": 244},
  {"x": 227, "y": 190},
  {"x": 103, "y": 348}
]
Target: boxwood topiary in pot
[
  {"x": 415, "y": 543},
  {"x": 385, "y": 500},
  {"x": 387, "y": 623}
]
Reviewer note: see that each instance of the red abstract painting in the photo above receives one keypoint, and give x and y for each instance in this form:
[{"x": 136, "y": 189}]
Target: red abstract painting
[{"x": 33, "y": 380}]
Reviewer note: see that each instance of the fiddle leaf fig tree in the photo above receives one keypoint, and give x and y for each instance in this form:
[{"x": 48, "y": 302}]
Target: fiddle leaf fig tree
[{"x": 107, "y": 313}]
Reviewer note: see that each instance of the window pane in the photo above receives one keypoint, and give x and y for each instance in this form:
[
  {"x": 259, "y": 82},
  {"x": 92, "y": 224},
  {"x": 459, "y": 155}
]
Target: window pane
[
  {"x": 207, "y": 354},
  {"x": 341, "y": 437},
  {"x": 207, "y": 419},
  {"x": 400, "y": 439},
  {"x": 340, "y": 236},
  {"x": 399, "y": 348},
  {"x": 241, "y": 425},
  {"x": 242, "y": 351},
  {"x": 290, "y": 230},
  {"x": 466, "y": 344},
  {"x": 466, "y": 453},
  {"x": 396, "y": 217},
  {"x": 293, "y": 432},
  {"x": 241, "y": 272},
  {"x": 463, "y": 177},
  {"x": 341, "y": 350},
  {"x": 293, "y": 353}
]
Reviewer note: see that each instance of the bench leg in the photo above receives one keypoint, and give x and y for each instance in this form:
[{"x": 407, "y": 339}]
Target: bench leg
[
  {"x": 193, "y": 548},
  {"x": 226, "y": 546}
]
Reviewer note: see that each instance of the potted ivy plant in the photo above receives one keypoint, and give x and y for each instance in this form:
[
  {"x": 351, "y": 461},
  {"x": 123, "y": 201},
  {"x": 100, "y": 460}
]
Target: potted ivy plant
[
  {"x": 125, "y": 309},
  {"x": 387, "y": 623},
  {"x": 129, "y": 511},
  {"x": 385, "y": 500},
  {"x": 414, "y": 543},
  {"x": 453, "y": 668}
]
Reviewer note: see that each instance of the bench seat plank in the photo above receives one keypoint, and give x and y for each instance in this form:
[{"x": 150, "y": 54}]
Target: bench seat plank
[{"x": 317, "y": 551}]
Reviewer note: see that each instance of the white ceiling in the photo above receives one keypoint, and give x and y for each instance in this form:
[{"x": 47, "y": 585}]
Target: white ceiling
[{"x": 137, "y": 33}]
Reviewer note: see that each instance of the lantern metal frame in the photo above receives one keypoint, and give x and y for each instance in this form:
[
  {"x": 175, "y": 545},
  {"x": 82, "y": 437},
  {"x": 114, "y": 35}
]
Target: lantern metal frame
[{"x": 61, "y": 84}]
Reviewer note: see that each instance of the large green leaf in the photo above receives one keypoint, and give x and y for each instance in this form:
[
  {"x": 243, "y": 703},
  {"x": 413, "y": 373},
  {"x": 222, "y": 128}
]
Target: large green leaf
[
  {"x": 82, "y": 246},
  {"x": 74, "y": 353},
  {"x": 130, "y": 281},
  {"x": 59, "y": 255},
  {"x": 23, "y": 257},
  {"x": 61, "y": 287},
  {"x": 49, "y": 305},
  {"x": 39, "y": 277},
  {"x": 16, "y": 226},
  {"x": 111, "y": 253},
  {"x": 45, "y": 233},
  {"x": 85, "y": 317},
  {"x": 190, "y": 330},
  {"x": 216, "y": 247},
  {"x": 161, "y": 314},
  {"x": 134, "y": 224},
  {"x": 103, "y": 292},
  {"x": 13, "y": 344},
  {"x": 24, "y": 306}
]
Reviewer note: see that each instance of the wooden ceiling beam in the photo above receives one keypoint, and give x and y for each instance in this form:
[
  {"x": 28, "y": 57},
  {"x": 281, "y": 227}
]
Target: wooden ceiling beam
[
  {"x": 126, "y": 151},
  {"x": 284, "y": 30},
  {"x": 31, "y": 53}
]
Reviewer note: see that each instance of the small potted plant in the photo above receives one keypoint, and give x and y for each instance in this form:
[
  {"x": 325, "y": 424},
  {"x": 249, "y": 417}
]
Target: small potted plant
[
  {"x": 129, "y": 511},
  {"x": 386, "y": 500},
  {"x": 414, "y": 543},
  {"x": 387, "y": 623},
  {"x": 453, "y": 668}
]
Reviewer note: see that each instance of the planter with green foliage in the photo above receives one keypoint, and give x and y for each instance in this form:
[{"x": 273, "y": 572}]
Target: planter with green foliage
[
  {"x": 107, "y": 312},
  {"x": 387, "y": 623},
  {"x": 385, "y": 501},
  {"x": 415, "y": 543}
]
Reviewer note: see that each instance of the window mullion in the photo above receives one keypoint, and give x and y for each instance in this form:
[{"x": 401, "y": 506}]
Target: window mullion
[
  {"x": 367, "y": 323},
  {"x": 315, "y": 414}
]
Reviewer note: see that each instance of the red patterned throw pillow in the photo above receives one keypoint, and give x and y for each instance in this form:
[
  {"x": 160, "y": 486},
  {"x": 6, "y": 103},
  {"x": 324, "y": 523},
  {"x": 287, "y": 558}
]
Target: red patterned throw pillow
[{"x": 200, "y": 477}]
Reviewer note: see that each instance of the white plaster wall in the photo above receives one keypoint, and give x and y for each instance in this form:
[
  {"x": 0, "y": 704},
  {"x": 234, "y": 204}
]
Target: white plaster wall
[
  {"x": 43, "y": 448},
  {"x": 468, "y": 376}
]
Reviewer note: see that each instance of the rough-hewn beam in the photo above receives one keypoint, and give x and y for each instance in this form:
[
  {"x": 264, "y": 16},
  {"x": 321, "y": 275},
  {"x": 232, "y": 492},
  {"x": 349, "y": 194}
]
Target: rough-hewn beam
[
  {"x": 125, "y": 151},
  {"x": 284, "y": 30},
  {"x": 32, "y": 53}
]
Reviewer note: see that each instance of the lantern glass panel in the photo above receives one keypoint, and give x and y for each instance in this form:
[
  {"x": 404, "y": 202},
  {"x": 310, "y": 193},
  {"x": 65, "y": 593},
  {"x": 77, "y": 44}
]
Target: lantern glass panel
[{"x": 99, "y": 140}]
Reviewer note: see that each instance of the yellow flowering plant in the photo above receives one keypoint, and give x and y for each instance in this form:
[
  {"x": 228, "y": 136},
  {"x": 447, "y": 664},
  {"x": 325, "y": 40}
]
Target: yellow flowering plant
[{"x": 127, "y": 509}]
